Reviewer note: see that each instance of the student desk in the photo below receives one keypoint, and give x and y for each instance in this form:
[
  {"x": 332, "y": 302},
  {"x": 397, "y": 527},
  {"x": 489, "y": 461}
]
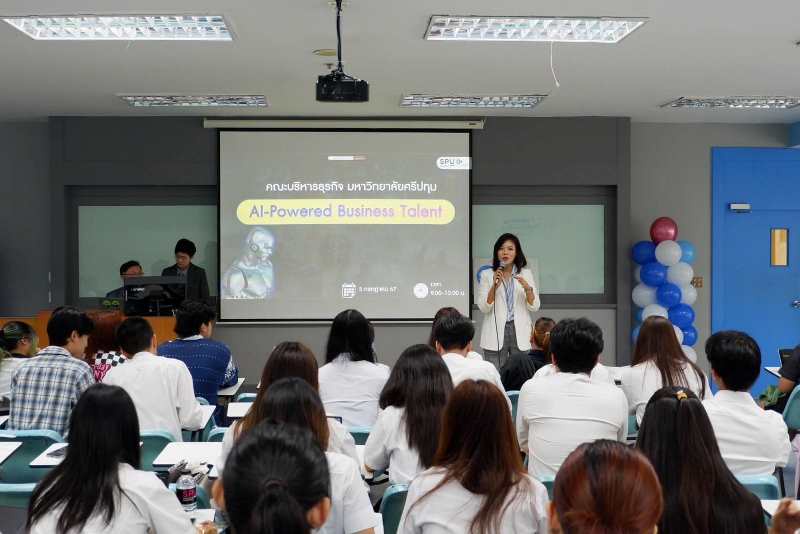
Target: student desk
[{"x": 7, "y": 448}]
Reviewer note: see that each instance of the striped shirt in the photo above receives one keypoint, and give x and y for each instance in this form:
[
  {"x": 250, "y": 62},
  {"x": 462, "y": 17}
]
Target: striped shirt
[{"x": 46, "y": 388}]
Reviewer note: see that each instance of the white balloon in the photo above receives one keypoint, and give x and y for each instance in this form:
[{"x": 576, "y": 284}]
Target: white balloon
[
  {"x": 688, "y": 294},
  {"x": 668, "y": 253},
  {"x": 678, "y": 334},
  {"x": 637, "y": 274},
  {"x": 690, "y": 353},
  {"x": 655, "y": 309},
  {"x": 680, "y": 274},
  {"x": 643, "y": 295}
]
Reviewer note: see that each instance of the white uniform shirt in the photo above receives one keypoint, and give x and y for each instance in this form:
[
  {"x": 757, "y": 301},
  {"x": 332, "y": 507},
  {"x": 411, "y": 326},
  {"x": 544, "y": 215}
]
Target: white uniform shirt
[
  {"x": 451, "y": 508},
  {"x": 557, "y": 413},
  {"x": 387, "y": 446},
  {"x": 600, "y": 373},
  {"x": 162, "y": 391},
  {"x": 351, "y": 509},
  {"x": 752, "y": 441},
  {"x": 7, "y": 367},
  {"x": 462, "y": 368},
  {"x": 339, "y": 440},
  {"x": 145, "y": 506},
  {"x": 639, "y": 382},
  {"x": 351, "y": 390}
]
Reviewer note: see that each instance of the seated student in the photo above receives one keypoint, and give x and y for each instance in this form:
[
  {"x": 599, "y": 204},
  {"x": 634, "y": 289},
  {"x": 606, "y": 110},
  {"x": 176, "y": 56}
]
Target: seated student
[
  {"x": 98, "y": 487},
  {"x": 196, "y": 280},
  {"x": 292, "y": 401},
  {"x": 521, "y": 366},
  {"x": 129, "y": 268},
  {"x": 289, "y": 359},
  {"x": 600, "y": 373},
  {"x": 276, "y": 480},
  {"x": 658, "y": 361},
  {"x": 448, "y": 311},
  {"x": 18, "y": 342},
  {"x": 477, "y": 482},
  {"x": 351, "y": 381},
  {"x": 161, "y": 388},
  {"x": 557, "y": 413},
  {"x": 44, "y": 389},
  {"x": 605, "y": 486},
  {"x": 406, "y": 434},
  {"x": 209, "y": 361},
  {"x": 102, "y": 351},
  {"x": 790, "y": 376},
  {"x": 453, "y": 340},
  {"x": 540, "y": 341},
  {"x": 701, "y": 495},
  {"x": 752, "y": 441}
]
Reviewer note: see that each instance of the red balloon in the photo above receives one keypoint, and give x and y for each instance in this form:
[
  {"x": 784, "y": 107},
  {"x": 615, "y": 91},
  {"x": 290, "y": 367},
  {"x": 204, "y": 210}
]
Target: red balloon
[{"x": 663, "y": 229}]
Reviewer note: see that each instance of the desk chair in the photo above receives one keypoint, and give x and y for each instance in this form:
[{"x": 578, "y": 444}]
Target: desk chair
[
  {"x": 16, "y": 495},
  {"x": 765, "y": 487},
  {"x": 16, "y": 468},
  {"x": 514, "y": 398},
  {"x": 360, "y": 434},
  {"x": 245, "y": 397},
  {"x": 153, "y": 442},
  {"x": 548, "y": 481},
  {"x": 217, "y": 433},
  {"x": 392, "y": 504}
]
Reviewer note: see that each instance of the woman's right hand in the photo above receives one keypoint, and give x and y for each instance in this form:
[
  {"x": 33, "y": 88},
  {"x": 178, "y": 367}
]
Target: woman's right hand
[{"x": 498, "y": 277}]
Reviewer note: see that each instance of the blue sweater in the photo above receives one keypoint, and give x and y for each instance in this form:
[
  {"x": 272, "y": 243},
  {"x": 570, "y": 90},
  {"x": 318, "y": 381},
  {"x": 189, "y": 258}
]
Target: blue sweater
[{"x": 209, "y": 362}]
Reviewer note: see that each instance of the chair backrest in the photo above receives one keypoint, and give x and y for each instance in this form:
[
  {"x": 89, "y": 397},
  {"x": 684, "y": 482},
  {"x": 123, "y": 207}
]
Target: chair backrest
[
  {"x": 217, "y": 433},
  {"x": 547, "y": 480},
  {"x": 202, "y": 401},
  {"x": 153, "y": 442},
  {"x": 791, "y": 413},
  {"x": 765, "y": 487},
  {"x": 360, "y": 434},
  {"x": 16, "y": 495},
  {"x": 394, "y": 500},
  {"x": 514, "y": 397},
  {"x": 245, "y": 397},
  {"x": 16, "y": 469}
]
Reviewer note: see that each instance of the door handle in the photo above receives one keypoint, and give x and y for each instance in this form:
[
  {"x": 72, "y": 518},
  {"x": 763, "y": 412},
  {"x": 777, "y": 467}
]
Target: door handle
[{"x": 796, "y": 304}]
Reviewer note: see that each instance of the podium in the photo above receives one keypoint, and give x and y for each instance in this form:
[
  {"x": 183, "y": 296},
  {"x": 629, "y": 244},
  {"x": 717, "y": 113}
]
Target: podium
[{"x": 163, "y": 327}]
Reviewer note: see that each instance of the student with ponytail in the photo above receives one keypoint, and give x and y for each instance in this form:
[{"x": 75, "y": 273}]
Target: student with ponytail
[
  {"x": 477, "y": 483},
  {"x": 18, "y": 341},
  {"x": 276, "y": 480},
  {"x": 605, "y": 487},
  {"x": 292, "y": 401}
]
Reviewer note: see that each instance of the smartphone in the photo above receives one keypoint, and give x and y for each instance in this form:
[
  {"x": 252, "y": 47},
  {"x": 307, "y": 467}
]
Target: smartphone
[{"x": 58, "y": 453}]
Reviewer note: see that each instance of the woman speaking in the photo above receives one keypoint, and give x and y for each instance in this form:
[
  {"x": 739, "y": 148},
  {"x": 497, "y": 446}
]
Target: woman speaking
[{"x": 506, "y": 300}]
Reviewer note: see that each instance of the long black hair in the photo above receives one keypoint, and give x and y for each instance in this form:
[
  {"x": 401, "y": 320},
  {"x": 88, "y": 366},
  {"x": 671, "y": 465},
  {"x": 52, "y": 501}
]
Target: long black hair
[
  {"x": 351, "y": 332},
  {"x": 293, "y": 401},
  {"x": 103, "y": 433},
  {"x": 700, "y": 493},
  {"x": 273, "y": 476},
  {"x": 421, "y": 384},
  {"x": 519, "y": 258}
]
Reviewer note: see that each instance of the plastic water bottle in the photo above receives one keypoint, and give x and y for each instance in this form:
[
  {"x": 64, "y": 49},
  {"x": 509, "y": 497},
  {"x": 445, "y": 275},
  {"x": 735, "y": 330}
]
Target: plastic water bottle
[{"x": 186, "y": 490}]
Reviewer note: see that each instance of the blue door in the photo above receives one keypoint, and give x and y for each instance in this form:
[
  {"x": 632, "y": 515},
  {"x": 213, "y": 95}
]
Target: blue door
[{"x": 748, "y": 291}]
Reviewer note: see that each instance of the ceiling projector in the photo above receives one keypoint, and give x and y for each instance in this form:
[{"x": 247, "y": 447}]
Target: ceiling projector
[{"x": 339, "y": 86}]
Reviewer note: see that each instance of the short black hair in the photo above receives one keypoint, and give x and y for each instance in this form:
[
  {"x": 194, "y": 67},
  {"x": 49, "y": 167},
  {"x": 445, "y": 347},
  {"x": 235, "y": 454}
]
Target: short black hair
[
  {"x": 66, "y": 320},
  {"x": 185, "y": 246},
  {"x": 735, "y": 357},
  {"x": 127, "y": 265},
  {"x": 191, "y": 316},
  {"x": 134, "y": 335},
  {"x": 453, "y": 332},
  {"x": 576, "y": 344}
]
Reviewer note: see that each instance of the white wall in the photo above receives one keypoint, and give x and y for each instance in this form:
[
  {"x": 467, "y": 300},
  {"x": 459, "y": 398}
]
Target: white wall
[{"x": 671, "y": 176}]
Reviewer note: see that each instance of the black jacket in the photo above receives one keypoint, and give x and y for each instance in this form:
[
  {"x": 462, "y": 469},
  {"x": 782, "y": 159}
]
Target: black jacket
[{"x": 196, "y": 281}]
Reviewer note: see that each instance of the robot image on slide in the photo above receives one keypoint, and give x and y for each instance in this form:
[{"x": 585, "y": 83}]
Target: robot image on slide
[{"x": 251, "y": 275}]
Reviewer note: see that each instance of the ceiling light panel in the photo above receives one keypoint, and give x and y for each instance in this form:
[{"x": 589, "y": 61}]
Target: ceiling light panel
[
  {"x": 606, "y": 30},
  {"x": 735, "y": 102},
  {"x": 195, "y": 101},
  {"x": 471, "y": 101},
  {"x": 123, "y": 28}
]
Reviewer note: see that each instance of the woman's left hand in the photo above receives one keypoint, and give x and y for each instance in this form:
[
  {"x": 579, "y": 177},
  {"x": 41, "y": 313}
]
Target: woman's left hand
[{"x": 525, "y": 285}]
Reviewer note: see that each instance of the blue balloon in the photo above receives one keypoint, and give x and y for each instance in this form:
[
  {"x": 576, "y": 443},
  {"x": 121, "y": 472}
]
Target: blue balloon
[
  {"x": 668, "y": 295},
  {"x": 653, "y": 273},
  {"x": 635, "y": 333},
  {"x": 687, "y": 251},
  {"x": 689, "y": 335},
  {"x": 638, "y": 315},
  {"x": 681, "y": 316},
  {"x": 644, "y": 252}
]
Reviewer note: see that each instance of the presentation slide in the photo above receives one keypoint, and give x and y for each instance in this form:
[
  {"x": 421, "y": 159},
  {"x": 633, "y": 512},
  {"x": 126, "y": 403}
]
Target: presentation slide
[{"x": 313, "y": 223}]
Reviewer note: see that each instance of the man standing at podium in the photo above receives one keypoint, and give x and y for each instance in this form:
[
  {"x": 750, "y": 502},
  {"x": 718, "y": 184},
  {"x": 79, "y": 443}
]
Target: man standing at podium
[{"x": 196, "y": 281}]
